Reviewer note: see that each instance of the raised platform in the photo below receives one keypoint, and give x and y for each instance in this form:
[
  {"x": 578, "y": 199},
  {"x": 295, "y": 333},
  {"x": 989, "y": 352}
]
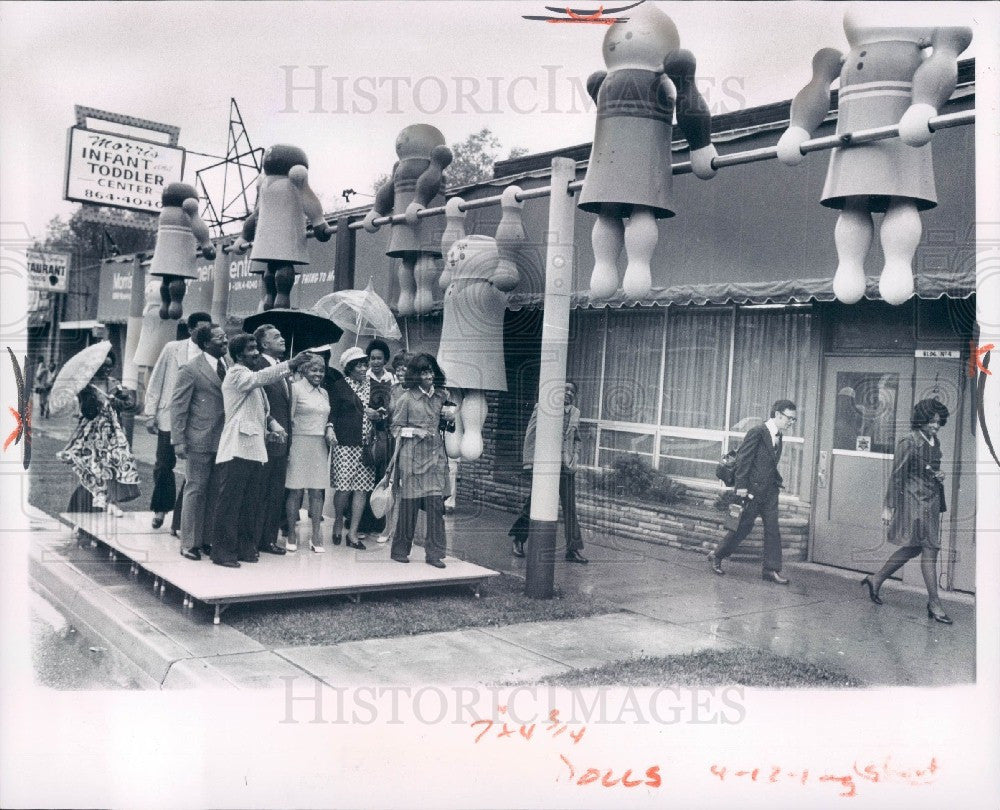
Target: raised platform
[{"x": 340, "y": 571}]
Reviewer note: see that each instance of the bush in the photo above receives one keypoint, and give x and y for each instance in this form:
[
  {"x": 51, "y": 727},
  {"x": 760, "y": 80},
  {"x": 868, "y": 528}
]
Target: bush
[{"x": 632, "y": 477}]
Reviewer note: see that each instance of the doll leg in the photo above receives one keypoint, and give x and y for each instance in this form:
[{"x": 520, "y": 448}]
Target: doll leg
[
  {"x": 453, "y": 441},
  {"x": 900, "y": 234},
  {"x": 426, "y": 275},
  {"x": 165, "y": 298},
  {"x": 607, "y": 239},
  {"x": 407, "y": 287},
  {"x": 473, "y": 416},
  {"x": 853, "y": 237},
  {"x": 178, "y": 286},
  {"x": 641, "y": 235},
  {"x": 284, "y": 278},
  {"x": 269, "y": 289}
]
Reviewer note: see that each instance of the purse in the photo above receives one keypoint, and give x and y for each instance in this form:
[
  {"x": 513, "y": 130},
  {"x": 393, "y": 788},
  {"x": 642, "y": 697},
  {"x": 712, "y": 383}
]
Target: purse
[{"x": 383, "y": 497}]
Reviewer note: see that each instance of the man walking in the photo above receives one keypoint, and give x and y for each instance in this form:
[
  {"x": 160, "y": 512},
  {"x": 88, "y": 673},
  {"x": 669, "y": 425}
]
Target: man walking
[
  {"x": 159, "y": 393},
  {"x": 243, "y": 451},
  {"x": 196, "y": 417},
  {"x": 757, "y": 476},
  {"x": 567, "y": 479},
  {"x": 279, "y": 398}
]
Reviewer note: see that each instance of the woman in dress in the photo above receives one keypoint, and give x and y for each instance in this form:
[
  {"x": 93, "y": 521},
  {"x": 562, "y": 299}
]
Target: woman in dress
[
  {"x": 914, "y": 502},
  {"x": 382, "y": 382},
  {"x": 422, "y": 463},
  {"x": 98, "y": 451},
  {"x": 312, "y": 435},
  {"x": 353, "y": 413}
]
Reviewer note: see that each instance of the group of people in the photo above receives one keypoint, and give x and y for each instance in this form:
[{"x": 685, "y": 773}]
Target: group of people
[
  {"x": 260, "y": 436},
  {"x": 45, "y": 376}
]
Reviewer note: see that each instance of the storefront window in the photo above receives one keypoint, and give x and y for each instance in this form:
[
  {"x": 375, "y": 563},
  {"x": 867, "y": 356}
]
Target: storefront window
[
  {"x": 632, "y": 367},
  {"x": 697, "y": 369},
  {"x": 865, "y": 414},
  {"x": 689, "y": 457},
  {"x": 584, "y": 360},
  {"x": 621, "y": 443}
]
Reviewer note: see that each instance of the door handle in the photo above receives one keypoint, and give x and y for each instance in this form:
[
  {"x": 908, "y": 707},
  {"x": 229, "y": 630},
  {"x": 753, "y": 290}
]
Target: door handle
[{"x": 824, "y": 461}]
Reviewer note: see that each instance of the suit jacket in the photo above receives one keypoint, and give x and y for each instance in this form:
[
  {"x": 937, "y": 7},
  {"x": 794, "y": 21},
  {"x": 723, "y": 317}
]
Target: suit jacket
[
  {"x": 347, "y": 411},
  {"x": 247, "y": 411},
  {"x": 757, "y": 462},
  {"x": 279, "y": 400},
  {"x": 163, "y": 379},
  {"x": 570, "y": 443},
  {"x": 196, "y": 409}
]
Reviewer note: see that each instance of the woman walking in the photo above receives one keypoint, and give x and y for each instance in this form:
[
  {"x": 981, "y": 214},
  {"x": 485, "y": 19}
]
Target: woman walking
[
  {"x": 353, "y": 414},
  {"x": 914, "y": 502},
  {"x": 312, "y": 434},
  {"x": 422, "y": 462},
  {"x": 98, "y": 451}
]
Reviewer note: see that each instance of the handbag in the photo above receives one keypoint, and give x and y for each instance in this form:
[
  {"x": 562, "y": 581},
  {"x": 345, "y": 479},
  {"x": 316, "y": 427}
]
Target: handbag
[{"x": 383, "y": 497}]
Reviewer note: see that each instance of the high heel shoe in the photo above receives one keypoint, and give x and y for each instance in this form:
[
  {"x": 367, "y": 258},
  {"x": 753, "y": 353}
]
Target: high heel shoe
[
  {"x": 355, "y": 544},
  {"x": 317, "y": 549},
  {"x": 872, "y": 593},
  {"x": 944, "y": 618},
  {"x": 338, "y": 536}
]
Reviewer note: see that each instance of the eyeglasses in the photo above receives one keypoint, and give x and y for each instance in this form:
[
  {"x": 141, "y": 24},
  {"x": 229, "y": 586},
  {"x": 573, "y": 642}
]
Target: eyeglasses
[{"x": 791, "y": 419}]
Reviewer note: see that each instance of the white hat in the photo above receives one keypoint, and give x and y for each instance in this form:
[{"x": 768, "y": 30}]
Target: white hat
[{"x": 352, "y": 354}]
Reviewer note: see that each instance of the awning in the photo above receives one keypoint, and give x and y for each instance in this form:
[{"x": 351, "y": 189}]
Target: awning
[{"x": 930, "y": 284}]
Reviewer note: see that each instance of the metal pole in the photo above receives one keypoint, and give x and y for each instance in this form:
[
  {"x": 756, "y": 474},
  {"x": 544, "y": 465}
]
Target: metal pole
[
  {"x": 541, "y": 547},
  {"x": 220, "y": 287}
]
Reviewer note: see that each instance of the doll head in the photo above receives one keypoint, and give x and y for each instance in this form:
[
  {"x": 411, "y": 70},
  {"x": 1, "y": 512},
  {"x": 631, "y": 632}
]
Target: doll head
[
  {"x": 280, "y": 158},
  {"x": 864, "y": 25},
  {"x": 643, "y": 41},
  {"x": 175, "y": 194},
  {"x": 418, "y": 140},
  {"x": 473, "y": 257}
]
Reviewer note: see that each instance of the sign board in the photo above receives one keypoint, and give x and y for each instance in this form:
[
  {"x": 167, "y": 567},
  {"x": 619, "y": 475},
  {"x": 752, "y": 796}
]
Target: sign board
[
  {"x": 119, "y": 171},
  {"x": 932, "y": 353},
  {"x": 47, "y": 271}
]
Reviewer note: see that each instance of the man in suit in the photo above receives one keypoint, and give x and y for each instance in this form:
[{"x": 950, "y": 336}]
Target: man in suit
[
  {"x": 567, "y": 479},
  {"x": 243, "y": 451},
  {"x": 196, "y": 417},
  {"x": 279, "y": 398},
  {"x": 757, "y": 476},
  {"x": 159, "y": 393}
]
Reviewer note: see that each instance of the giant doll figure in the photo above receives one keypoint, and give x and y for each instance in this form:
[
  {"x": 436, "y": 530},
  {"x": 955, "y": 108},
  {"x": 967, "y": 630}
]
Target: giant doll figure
[
  {"x": 178, "y": 236},
  {"x": 416, "y": 179},
  {"x": 277, "y": 226},
  {"x": 628, "y": 183},
  {"x": 887, "y": 78}
]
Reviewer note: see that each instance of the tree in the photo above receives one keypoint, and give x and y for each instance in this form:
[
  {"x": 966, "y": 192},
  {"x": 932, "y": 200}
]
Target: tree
[{"x": 474, "y": 158}]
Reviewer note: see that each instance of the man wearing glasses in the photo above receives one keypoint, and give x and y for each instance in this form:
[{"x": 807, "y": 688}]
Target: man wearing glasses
[{"x": 757, "y": 477}]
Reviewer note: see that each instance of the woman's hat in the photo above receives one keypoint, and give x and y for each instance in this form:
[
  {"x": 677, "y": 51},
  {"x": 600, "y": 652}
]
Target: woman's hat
[{"x": 352, "y": 354}]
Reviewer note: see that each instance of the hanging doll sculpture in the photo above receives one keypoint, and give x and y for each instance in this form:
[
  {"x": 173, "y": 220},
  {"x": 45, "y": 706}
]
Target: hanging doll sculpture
[
  {"x": 179, "y": 235},
  {"x": 628, "y": 182},
  {"x": 416, "y": 179},
  {"x": 479, "y": 272},
  {"x": 277, "y": 226},
  {"x": 886, "y": 79}
]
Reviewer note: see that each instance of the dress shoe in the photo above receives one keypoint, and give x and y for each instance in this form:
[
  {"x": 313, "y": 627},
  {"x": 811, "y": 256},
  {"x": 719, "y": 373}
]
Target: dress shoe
[
  {"x": 439, "y": 564},
  {"x": 158, "y": 520},
  {"x": 227, "y": 563},
  {"x": 318, "y": 549},
  {"x": 518, "y": 548},
  {"x": 944, "y": 618},
  {"x": 174, "y": 532},
  {"x": 355, "y": 544},
  {"x": 252, "y": 559},
  {"x": 577, "y": 557},
  {"x": 400, "y": 559},
  {"x": 775, "y": 577},
  {"x": 273, "y": 548},
  {"x": 191, "y": 553},
  {"x": 206, "y": 549},
  {"x": 872, "y": 591},
  {"x": 337, "y": 538},
  {"x": 715, "y": 564}
]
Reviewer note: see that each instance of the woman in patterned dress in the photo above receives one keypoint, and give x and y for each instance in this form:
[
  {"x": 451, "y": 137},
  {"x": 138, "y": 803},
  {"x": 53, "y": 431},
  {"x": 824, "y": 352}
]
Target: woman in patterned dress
[
  {"x": 914, "y": 502},
  {"x": 422, "y": 462},
  {"x": 353, "y": 413},
  {"x": 98, "y": 451}
]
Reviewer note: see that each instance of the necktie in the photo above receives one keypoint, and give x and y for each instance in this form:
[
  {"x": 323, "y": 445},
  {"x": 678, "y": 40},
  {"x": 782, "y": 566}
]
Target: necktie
[
  {"x": 777, "y": 447},
  {"x": 221, "y": 369}
]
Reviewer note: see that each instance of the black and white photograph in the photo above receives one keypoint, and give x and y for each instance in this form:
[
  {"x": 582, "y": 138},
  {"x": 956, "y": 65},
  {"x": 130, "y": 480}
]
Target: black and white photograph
[{"x": 450, "y": 404}]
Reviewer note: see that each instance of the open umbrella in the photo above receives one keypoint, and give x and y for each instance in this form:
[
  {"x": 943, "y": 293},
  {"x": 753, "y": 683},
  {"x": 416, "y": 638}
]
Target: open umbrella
[
  {"x": 301, "y": 330},
  {"x": 360, "y": 311},
  {"x": 74, "y": 376}
]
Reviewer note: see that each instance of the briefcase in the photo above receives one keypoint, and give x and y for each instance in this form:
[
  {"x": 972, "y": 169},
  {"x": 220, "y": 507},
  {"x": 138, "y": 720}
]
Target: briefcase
[{"x": 732, "y": 521}]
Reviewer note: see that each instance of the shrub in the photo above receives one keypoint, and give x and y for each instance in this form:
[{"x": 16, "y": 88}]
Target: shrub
[{"x": 632, "y": 477}]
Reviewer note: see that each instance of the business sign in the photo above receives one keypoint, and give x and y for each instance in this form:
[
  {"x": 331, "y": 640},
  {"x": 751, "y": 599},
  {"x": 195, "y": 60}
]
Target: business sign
[
  {"x": 119, "y": 171},
  {"x": 47, "y": 271},
  {"x": 936, "y": 353}
]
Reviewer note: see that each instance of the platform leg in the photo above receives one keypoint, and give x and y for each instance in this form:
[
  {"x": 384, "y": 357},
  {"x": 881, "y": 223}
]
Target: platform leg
[
  {"x": 355, "y": 598},
  {"x": 477, "y": 590},
  {"x": 156, "y": 584},
  {"x": 163, "y": 587},
  {"x": 218, "y": 614}
]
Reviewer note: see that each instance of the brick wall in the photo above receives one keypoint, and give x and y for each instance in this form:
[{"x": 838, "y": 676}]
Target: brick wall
[{"x": 693, "y": 523}]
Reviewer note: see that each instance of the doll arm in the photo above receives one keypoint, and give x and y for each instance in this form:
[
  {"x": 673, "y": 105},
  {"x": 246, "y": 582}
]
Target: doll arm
[
  {"x": 249, "y": 227},
  {"x": 199, "y": 228},
  {"x": 693, "y": 115},
  {"x": 810, "y": 106},
  {"x": 385, "y": 197},
  {"x": 594, "y": 82},
  {"x": 311, "y": 206},
  {"x": 429, "y": 182},
  {"x": 933, "y": 83}
]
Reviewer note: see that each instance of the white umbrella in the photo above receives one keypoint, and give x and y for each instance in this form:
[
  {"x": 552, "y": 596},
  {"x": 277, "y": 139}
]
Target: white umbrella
[
  {"x": 74, "y": 376},
  {"x": 362, "y": 312}
]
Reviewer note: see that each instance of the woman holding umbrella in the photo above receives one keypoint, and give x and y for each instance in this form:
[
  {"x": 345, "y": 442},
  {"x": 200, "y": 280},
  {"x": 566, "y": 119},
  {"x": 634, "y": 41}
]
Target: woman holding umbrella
[{"x": 98, "y": 451}]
